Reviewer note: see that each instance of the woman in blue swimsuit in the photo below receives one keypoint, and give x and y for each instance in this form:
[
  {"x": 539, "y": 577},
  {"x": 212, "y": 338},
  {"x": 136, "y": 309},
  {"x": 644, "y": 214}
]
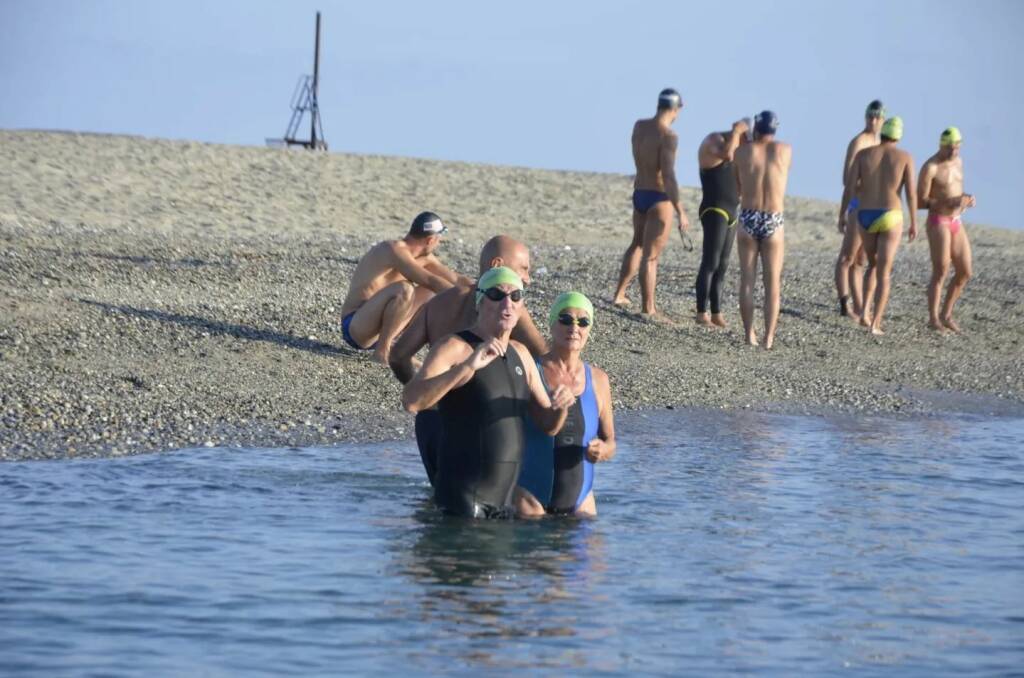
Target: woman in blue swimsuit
[{"x": 558, "y": 472}]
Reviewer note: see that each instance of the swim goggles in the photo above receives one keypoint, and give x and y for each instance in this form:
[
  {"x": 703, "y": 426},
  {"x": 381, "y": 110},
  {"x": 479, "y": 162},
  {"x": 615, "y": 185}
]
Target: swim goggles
[
  {"x": 494, "y": 294},
  {"x": 568, "y": 320}
]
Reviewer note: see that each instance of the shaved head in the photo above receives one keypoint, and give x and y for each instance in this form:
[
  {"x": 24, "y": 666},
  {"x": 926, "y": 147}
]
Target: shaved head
[{"x": 503, "y": 250}]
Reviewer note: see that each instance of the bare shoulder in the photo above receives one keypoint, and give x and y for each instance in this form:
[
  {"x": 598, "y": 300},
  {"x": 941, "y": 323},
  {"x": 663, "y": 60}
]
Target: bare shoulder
[
  {"x": 520, "y": 348},
  {"x": 600, "y": 377}
]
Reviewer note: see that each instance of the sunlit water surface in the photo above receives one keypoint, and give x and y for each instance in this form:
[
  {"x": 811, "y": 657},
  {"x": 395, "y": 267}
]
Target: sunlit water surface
[{"x": 725, "y": 542}]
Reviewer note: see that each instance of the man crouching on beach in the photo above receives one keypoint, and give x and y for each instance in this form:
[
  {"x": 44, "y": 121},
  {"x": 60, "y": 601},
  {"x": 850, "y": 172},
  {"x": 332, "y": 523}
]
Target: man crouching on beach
[{"x": 390, "y": 282}]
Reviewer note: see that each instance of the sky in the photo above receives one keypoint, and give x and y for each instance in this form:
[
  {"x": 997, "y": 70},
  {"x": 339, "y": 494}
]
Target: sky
[{"x": 553, "y": 85}]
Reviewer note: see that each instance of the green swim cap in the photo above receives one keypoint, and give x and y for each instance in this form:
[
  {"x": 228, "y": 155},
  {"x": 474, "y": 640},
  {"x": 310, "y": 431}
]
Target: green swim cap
[
  {"x": 571, "y": 300},
  {"x": 950, "y": 136},
  {"x": 893, "y": 128},
  {"x": 499, "y": 275}
]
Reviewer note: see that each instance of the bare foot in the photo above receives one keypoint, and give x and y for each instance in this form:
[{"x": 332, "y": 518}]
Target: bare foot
[
  {"x": 865, "y": 320},
  {"x": 948, "y": 322},
  {"x": 381, "y": 357},
  {"x": 702, "y": 319},
  {"x": 768, "y": 343},
  {"x": 752, "y": 339},
  {"x": 658, "y": 318},
  {"x": 937, "y": 326},
  {"x": 718, "y": 319},
  {"x": 877, "y": 331},
  {"x": 622, "y": 302}
]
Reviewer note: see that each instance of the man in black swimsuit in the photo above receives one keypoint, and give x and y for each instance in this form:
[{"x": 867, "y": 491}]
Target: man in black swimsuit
[
  {"x": 718, "y": 209},
  {"x": 484, "y": 383}
]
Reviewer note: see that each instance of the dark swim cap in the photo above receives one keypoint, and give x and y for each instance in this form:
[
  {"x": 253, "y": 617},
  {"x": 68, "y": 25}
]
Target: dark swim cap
[
  {"x": 669, "y": 99},
  {"x": 766, "y": 122},
  {"x": 876, "y": 109},
  {"x": 427, "y": 223}
]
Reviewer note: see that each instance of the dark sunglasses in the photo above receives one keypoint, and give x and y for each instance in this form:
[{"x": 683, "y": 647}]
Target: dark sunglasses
[
  {"x": 494, "y": 294},
  {"x": 568, "y": 320}
]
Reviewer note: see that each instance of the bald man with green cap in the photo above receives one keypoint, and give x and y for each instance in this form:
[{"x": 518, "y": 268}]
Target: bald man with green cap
[
  {"x": 940, "y": 190},
  {"x": 484, "y": 383},
  {"x": 877, "y": 176}
]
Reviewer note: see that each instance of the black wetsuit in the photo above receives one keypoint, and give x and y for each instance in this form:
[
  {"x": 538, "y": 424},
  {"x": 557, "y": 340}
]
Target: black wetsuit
[
  {"x": 482, "y": 438},
  {"x": 718, "y": 208}
]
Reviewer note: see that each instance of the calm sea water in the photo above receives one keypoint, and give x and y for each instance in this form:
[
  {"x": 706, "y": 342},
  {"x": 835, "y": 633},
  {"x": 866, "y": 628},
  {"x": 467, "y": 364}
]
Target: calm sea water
[{"x": 725, "y": 542}]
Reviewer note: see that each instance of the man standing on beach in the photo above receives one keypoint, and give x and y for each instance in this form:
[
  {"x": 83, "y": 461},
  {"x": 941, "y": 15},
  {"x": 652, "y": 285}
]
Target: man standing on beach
[
  {"x": 718, "y": 213},
  {"x": 940, "y": 190},
  {"x": 877, "y": 175},
  {"x": 453, "y": 310},
  {"x": 655, "y": 197},
  {"x": 390, "y": 282},
  {"x": 762, "y": 169},
  {"x": 850, "y": 262}
]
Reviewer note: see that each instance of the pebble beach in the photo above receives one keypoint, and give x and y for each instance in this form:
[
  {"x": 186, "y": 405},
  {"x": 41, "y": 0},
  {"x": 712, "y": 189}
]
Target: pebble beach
[{"x": 157, "y": 295}]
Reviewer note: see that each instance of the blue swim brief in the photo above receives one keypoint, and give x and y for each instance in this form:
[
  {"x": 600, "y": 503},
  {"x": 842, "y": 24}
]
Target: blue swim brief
[
  {"x": 644, "y": 200},
  {"x": 345, "y": 322}
]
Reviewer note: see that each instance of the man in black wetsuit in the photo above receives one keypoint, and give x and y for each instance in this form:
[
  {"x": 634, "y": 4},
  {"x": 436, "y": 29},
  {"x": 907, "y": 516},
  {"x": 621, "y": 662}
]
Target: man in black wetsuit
[
  {"x": 719, "y": 207},
  {"x": 484, "y": 383}
]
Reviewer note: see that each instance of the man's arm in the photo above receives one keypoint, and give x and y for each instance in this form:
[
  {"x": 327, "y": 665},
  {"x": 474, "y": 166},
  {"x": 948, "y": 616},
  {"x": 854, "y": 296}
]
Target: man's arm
[
  {"x": 547, "y": 411},
  {"x": 848, "y": 161},
  {"x": 667, "y": 160},
  {"x": 443, "y": 371},
  {"x": 924, "y": 185},
  {"x": 908, "y": 189},
  {"x": 602, "y": 447},
  {"x": 434, "y": 265},
  {"x": 853, "y": 182},
  {"x": 527, "y": 333},
  {"x": 411, "y": 269},
  {"x": 412, "y": 339}
]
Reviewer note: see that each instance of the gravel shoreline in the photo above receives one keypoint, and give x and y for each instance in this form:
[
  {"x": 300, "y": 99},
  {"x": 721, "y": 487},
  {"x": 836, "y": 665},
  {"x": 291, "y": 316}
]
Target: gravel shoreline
[{"x": 159, "y": 295}]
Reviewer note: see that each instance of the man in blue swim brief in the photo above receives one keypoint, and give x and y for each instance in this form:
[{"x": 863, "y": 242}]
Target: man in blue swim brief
[{"x": 655, "y": 197}]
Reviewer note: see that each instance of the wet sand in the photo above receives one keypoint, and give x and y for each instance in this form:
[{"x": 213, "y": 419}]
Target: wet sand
[{"x": 157, "y": 295}]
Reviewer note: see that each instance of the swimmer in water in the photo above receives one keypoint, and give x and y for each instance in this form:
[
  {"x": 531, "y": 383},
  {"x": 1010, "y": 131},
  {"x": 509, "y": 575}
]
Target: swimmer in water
[
  {"x": 877, "y": 175},
  {"x": 655, "y": 198},
  {"x": 390, "y": 283},
  {"x": 940, "y": 190},
  {"x": 560, "y": 470},
  {"x": 719, "y": 211},
  {"x": 484, "y": 384},
  {"x": 850, "y": 262},
  {"x": 451, "y": 311},
  {"x": 762, "y": 169}
]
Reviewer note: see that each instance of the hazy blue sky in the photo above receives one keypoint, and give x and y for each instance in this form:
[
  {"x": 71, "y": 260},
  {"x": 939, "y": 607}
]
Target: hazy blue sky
[{"x": 541, "y": 84}]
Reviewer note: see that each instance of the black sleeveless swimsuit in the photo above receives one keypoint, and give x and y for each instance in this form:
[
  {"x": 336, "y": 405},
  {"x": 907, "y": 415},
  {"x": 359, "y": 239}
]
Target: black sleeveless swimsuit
[{"x": 482, "y": 441}]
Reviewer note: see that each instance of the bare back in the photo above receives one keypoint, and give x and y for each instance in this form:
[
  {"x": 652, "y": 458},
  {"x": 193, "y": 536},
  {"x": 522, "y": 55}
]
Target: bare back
[
  {"x": 762, "y": 169},
  {"x": 653, "y": 143},
  {"x": 879, "y": 173},
  {"x": 943, "y": 185},
  {"x": 856, "y": 145}
]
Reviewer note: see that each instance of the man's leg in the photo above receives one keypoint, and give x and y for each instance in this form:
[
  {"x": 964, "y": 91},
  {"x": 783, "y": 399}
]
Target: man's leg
[
  {"x": 888, "y": 242},
  {"x": 938, "y": 247},
  {"x": 962, "y": 270},
  {"x": 712, "y": 225},
  {"x": 857, "y": 264},
  {"x": 382, "y": 317},
  {"x": 526, "y": 504},
  {"x": 630, "y": 260},
  {"x": 772, "y": 250},
  {"x": 718, "y": 279},
  {"x": 747, "y": 248},
  {"x": 870, "y": 241},
  {"x": 656, "y": 230},
  {"x": 845, "y": 263}
]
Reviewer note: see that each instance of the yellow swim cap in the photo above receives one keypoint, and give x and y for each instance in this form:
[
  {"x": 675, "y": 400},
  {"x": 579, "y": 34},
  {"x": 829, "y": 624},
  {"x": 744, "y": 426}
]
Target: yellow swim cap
[
  {"x": 499, "y": 275},
  {"x": 571, "y": 300},
  {"x": 893, "y": 128},
  {"x": 950, "y": 136}
]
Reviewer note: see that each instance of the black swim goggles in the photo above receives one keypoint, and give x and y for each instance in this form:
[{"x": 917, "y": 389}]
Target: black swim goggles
[
  {"x": 494, "y": 294},
  {"x": 569, "y": 320}
]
